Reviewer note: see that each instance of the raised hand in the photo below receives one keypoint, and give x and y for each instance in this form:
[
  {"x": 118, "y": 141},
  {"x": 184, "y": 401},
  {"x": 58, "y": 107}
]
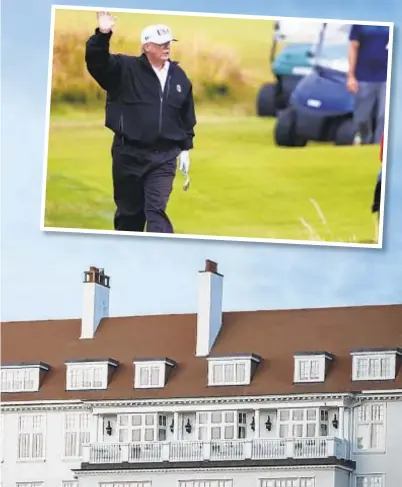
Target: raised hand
[{"x": 105, "y": 22}]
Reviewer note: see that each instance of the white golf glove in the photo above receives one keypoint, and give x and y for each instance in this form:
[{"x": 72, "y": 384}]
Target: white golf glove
[
  {"x": 184, "y": 166},
  {"x": 184, "y": 162},
  {"x": 105, "y": 22}
]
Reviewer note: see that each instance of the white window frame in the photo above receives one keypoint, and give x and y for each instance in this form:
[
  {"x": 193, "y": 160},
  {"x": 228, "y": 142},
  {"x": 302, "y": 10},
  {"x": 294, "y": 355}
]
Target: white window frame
[
  {"x": 229, "y": 366},
  {"x": 368, "y": 410},
  {"x": 310, "y": 364},
  {"x": 78, "y": 424},
  {"x": 293, "y": 422},
  {"x": 20, "y": 379},
  {"x": 148, "y": 369},
  {"x": 371, "y": 480},
  {"x": 223, "y": 424},
  {"x": 140, "y": 422},
  {"x": 134, "y": 483},
  {"x": 288, "y": 482},
  {"x": 376, "y": 366},
  {"x": 87, "y": 376},
  {"x": 37, "y": 483},
  {"x": 69, "y": 483},
  {"x": 206, "y": 483},
  {"x": 31, "y": 431}
]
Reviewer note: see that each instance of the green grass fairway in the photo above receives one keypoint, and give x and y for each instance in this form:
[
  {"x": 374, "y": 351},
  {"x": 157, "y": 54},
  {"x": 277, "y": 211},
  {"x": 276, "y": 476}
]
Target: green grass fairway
[{"x": 242, "y": 185}]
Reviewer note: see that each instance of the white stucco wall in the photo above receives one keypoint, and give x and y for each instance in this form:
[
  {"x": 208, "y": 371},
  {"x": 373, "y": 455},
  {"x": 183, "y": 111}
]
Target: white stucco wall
[
  {"x": 389, "y": 461},
  {"x": 53, "y": 470},
  {"x": 323, "y": 477}
]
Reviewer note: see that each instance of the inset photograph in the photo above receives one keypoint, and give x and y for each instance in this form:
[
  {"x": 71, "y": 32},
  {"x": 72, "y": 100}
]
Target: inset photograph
[{"x": 204, "y": 126}]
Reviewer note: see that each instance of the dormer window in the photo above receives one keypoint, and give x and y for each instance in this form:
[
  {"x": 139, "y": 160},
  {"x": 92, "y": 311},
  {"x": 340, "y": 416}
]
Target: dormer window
[
  {"x": 311, "y": 366},
  {"x": 89, "y": 374},
  {"x": 375, "y": 364},
  {"x": 232, "y": 370},
  {"x": 22, "y": 377},
  {"x": 152, "y": 373}
]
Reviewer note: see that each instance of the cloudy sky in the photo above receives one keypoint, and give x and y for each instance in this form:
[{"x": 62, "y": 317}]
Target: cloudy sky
[{"x": 41, "y": 273}]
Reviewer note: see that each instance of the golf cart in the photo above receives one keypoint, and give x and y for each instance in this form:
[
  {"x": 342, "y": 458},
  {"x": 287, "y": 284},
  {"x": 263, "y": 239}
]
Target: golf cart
[
  {"x": 291, "y": 59},
  {"x": 320, "y": 107}
]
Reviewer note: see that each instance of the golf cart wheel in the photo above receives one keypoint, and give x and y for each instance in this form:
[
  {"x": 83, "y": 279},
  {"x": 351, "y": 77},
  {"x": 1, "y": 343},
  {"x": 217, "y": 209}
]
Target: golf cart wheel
[
  {"x": 285, "y": 130},
  {"x": 266, "y": 101},
  {"x": 345, "y": 133}
]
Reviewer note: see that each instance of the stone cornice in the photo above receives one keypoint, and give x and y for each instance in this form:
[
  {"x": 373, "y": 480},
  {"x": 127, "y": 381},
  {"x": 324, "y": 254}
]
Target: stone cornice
[
  {"x": 344, "y": 399},
  {"x": 131, "y": 472}
]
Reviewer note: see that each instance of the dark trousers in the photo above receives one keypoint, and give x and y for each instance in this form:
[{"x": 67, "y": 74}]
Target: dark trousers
[
  {"x": 375, "y": 207},
  {"x": 369, "y": 101},
  {"x": 142, "y": 184}
]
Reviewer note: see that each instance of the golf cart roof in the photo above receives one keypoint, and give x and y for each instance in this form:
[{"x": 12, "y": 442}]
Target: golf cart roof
[
  {"x": 332, "y": 51},
  {"x": 298, "y": 31}
]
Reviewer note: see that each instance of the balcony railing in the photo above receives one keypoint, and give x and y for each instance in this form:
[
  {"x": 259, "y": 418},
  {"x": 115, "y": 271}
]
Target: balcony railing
[{"x": 198, "y": 451}]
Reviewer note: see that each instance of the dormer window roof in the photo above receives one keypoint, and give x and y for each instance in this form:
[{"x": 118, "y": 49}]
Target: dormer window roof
[
  {"x": 89, "y": 374},
  {"x": 152, "y": 373},
  {"x": 375, "y": 363},
  {"x": 311, "y": 366},
  {"x": 232, "y": 370},
  {"x": 22, "y": 377}
]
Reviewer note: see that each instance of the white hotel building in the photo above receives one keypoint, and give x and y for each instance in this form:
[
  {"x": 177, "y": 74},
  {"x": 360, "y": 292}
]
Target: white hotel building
[{"x": 292, "y": 398}]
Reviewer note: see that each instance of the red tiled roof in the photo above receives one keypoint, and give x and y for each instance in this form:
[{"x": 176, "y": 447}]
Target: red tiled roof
[{"x": 273, "y": 335}]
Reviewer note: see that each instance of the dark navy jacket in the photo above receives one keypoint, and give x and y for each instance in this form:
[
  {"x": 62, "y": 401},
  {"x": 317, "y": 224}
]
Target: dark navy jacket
[{"x": 136, "y": 108}]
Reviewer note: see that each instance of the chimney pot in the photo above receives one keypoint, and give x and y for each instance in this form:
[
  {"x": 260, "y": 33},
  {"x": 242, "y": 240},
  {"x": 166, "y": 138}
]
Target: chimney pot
[
  {"x": 96, "y": 300},
  {"x": 211, "y": 266}
]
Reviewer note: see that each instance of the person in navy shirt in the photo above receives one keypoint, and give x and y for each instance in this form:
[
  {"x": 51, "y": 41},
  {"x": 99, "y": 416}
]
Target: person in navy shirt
[{"x": 367, "y": 78}]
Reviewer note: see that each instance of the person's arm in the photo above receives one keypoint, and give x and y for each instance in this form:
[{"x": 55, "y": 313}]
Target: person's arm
[
  {"x": 189, "y": 119},
  {"x": 353, "y": 53},
  {"x": 104, "y": 67}
]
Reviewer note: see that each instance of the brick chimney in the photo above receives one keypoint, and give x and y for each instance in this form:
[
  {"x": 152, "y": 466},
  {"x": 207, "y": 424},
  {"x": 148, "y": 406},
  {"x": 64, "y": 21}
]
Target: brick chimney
[
  {"x": 95, "y": 302},
  {"x": 209, "y": 316}
]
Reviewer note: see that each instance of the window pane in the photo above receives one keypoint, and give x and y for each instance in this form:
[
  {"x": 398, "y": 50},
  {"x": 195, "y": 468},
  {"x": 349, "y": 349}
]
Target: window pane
[
  {"x": 123, "y": 420},
  {"x": 215, "y": 433},
  {"x": 297, "y": 430},
  {"x": 284, "y": 414},
  {"x": 377, "y": 433},
  {"x": 203, "y": 433},
  {"x": 217, "y": 373},
  {"x": 136, "y": 420},
  {"x": 203, "y": 418},
  {"x": 136, "y": 435},
  {"x": 311, "y": 414},
  {"x": 297, "y": 414},
  {"x": 230, "y": 416},
  {"x": 149, "y": 419},
  {"x": 149, "y": 434},
  {"x": 242, "y": 418},
  {"x": 240, "y": 372},
  {"x": 155, "y": 376},
  {"x": 216, "y": 417},
  {"x": 229, "y": 432},
  {"x": 144, "y": 376},
  {"x": 311, "y": 429},
  {"x": 228, "y": 372},
  {"x": 123, "y": 435},
  {"x": 362, "y": 436}
]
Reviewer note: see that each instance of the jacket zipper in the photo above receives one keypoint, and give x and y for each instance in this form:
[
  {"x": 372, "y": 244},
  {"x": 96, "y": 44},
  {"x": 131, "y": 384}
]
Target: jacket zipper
[
  {"x": 161, "y": 102},
  {"x": 160, "y": 110},
  {"x": 121, "y": 128}
]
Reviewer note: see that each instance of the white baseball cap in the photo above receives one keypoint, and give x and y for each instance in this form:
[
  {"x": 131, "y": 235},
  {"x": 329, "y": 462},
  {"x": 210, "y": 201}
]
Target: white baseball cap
[{"x": 158, "y": 34}]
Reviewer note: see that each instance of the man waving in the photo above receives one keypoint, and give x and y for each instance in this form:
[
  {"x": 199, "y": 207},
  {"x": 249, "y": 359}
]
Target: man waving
[{"x": 150, "y": 109}]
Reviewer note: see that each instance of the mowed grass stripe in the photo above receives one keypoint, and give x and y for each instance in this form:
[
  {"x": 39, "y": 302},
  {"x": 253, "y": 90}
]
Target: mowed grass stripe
[{"x": 242, "y": 184}]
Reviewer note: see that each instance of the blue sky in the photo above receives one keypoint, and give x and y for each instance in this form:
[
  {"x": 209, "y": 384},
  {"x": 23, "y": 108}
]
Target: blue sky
[{"x": 41, "y": 273}]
